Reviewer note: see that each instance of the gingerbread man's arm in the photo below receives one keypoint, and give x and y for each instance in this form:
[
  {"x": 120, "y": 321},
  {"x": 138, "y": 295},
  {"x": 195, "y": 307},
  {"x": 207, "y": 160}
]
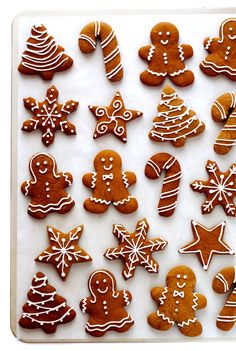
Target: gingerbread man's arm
[
  {"x": 200, "y": 300},
  {"x": 66, "y": 179},
  {"x": 186, "y": 51},
  {"x": 86, "y": 305},
  {"x": 145, "y": 52},
  {"x": 129, "y": 178},
  {"x": 27, "y": 188},
  {"x": 89, "y": 179},
  {"x": 211, "y": 44},
  {"x": 156, "y": 293},
  {"x": 126, "y": 297}
]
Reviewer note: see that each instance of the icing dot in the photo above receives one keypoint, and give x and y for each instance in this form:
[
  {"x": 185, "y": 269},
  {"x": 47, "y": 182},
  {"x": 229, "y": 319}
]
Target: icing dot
[
  {"x": 105, "y": 307},
  {"x": 164, "y": 54},
  {"x": 97, "y": 282},
  {"x": 68, "y": 106},
  {"x": 56, "y": 112},
  {"x": 42, "y": 111},
  {"x": 66, "y": 127},
  {"x": 176, "y": 310},
  {"x": 226, "y": 57},
  {"x": 38, "y": 164},
  {"x": 47, "y": 189},
  {"x": 54, "y": 119},
  {"x": 49, "y": 108},
  {"x": 47, "y": 142},
  {"x": 167, "y": 33},
  {"x": 106, "y": 312},
  {"x": 104, "y": 302},
  {"x": 73, "y": 104},
  {"x": 178, "y": 276},
  {"x": 32, "y": 104},
  {"x": 27, "y": 100},
  {"x": 228, "y": 47},
  {"x": 25, "y": 127},
  {"x": 63, "y": 274},
  {"x": 107, "y": 183},
  {"x": 72, "y": 131},
  {"x": 45, "y": 162},
  {"x": 185, "y": 276},
  {"x": 177, "y": 302},
  {"x": 103, "y": 159},
  {"x": 111, "y": 159},
  {"x": 104, "y": 280},
  {"x": 109, "y": 189},
  {"x": 230, "y": 28},
  {"x": 160, "y": 33}
]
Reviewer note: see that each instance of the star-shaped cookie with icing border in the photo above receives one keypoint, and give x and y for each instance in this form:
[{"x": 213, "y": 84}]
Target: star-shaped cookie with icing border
[
  {"x": 135, "y": 249},
  {"x": 49, "y": 116},
  {"x": 63, "y": 250},
  {"x": 113, "y": 118},
  {"x": 206, "y": 243}
]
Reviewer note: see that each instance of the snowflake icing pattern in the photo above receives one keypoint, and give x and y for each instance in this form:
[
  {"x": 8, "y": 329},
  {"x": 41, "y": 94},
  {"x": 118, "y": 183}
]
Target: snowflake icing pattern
[
  {"x": 135, "y": 249},
  {"x": 220, "y": 189}
]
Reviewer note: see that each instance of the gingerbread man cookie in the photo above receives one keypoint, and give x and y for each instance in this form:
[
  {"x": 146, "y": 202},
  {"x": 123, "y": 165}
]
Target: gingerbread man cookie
[
  {"x": 177, "y": 303},
  {"x": 109, "y": 185},
  {"x": 222, "y": 51},
  {"x": 46, "y": 189},
  {"x": 223, "y": 282},
  {"x": 49, "y": 116},
  {"x": 166, "y": 57},
  {"x": 106, "y": 305},
  {"x": 43, "y": 56}
]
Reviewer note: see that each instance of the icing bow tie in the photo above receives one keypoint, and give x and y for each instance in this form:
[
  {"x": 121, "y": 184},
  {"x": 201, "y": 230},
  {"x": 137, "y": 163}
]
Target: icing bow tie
[
  {"x": 107, "y": 176},
  {"x": 178, "y": 293}
]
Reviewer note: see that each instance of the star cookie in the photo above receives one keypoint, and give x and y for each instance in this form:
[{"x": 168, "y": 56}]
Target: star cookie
[
  {"x": 113, "y": 118},
  {"x": 206, "y": 243},
  {"x": 135, "y": 249},
  {"x": 220, "y": 189},
  {"x": 49, "y": 116},
  {"x": 63, "y": 250}
]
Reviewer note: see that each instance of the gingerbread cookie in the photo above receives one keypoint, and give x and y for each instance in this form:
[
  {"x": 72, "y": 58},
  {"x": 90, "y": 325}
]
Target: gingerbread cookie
[
  {"x": 109, "y": 44},
  {"x": 222, "y": 50},
  {"x": 166, "y": 57},
  {"x": 106, "y": 305},
  {"x": 177, "y": 303},
  {"x": 174, "y": 122},
  {"x": 223, "y": 282},
  {"x": 109, "y": 185},
  {"x": 224, "y": 111},
  {"x": 43, "y": 56},
  {"x": 135, "y": 249},
  {"x": 63, "y": 250},
  {"x": 206, "y": 243},
  {"x": 220, "y": 188},
  {"x": 113, "y": 118},
  {"x": 49, "y": 116},
  {"x": 44, "y": 308},
  {"x": 155, "y": 166},
  {"x": 46, "y": 189}
]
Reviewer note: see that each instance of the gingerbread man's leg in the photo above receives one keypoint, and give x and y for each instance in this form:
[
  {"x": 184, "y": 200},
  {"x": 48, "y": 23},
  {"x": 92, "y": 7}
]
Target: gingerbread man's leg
[
  {"x": 158, "y": 322},
  {"x": 226, "y": 319},
  {"x": 151, "y": 79},
  {"x": 190, "y": 327},
  {"x": 67, "y": 207},
  {"x": 182, "y": 79},
  {"x": 128, "y": 205},
  {"x": 95, "y": 207}
]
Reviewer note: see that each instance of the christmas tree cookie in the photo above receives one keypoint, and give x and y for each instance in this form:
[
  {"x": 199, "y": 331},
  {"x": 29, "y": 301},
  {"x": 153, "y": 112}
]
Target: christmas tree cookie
[
  {"x": 44, "y": 308},
  {"x": 175, "y": 122}
]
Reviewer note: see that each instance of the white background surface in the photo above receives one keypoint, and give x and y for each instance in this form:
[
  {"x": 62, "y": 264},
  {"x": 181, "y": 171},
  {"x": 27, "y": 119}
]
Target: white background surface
[{"x": 6, "y": 18}]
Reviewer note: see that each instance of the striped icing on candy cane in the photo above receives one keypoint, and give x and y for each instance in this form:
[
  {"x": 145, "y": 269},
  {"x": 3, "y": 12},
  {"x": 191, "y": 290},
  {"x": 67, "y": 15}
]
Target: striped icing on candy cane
[
  {"x": 170, "y": 190},
  {"x": 109, "y": 44}
]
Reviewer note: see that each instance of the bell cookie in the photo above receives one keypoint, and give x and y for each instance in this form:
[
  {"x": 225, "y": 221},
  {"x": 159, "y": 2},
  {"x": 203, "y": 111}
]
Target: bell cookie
[
  {"x": 174, "y": 122},
  {"x": 224, "y": 111},
  {"x": 63, "y": 250},
  {"x": 135, "y": 249},
  {"x": 109, "y": 185},
  {"x": 43, "y": 56},
  {"x": 44, "y": 308},
  {"x": 177, "y": 303},
  {"x": 207, "y": 242},
  {"x": 110, "y": 48},
  {"x": 157, "y": 164},
  {"x": 106, "y": 305},
  {"x": 49, "y": 116},
  {"x": 46, "y": 189},
  {"x": 113, "y": 118},
  {"x": 219, "y": 189},
  {"x": 223, "y": 282},
  {"x": 166, "y": 57},
  {"x": 221, "y": 58}
]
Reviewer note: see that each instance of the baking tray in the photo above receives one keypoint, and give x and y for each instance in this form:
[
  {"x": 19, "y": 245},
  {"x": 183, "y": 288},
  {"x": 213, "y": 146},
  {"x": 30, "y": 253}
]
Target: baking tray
[{"x": 86, "y": 82}]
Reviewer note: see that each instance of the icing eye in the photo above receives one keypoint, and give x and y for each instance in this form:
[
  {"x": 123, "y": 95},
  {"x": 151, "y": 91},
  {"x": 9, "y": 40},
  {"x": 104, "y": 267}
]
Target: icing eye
[
  {"x": 230, "y": 29},
  {"x": 38, "y": 164},
  {"x": 45, "y": 162},
  {"x": 178, "y": 276},
  {"x": 167, "y": 33},
  {"x": 111, "y": 159},
  {"x": 104, "y": 280},
  {"x": 97, "y": 282},
  {"x": 160, "y": 33},
  {"x": 185, "y": 276},
  {"x": 103, "y": 159}
]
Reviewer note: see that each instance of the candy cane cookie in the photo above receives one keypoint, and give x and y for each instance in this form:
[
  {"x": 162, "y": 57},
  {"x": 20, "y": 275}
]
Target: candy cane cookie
[
  {"x": 109, "y": 44},
  {"x": 223, "y": 282},
  {"x": 155, "y": 166},
  {"x": 224, "y": 110}
]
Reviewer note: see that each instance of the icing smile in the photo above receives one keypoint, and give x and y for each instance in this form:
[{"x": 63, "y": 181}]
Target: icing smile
[
  {"x": 103, "y": 291},
  {"x": 44, "y": 171},
  {"x": 164, "y": 42},
  {"x": 107, "y": 168},
  {"x": 232, "y": 37},
  {"x": 180, "y": 286}
]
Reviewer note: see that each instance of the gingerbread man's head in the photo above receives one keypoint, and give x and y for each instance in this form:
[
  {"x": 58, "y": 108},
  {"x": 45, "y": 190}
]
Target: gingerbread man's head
[
  {"x": 102, "y": 283},
  {"x": 228, "y": 30},
  {"x": 164, "y": 33},
  {"x": 107, "y": 161},
  {"x": 181, "y": 278},
  {"x": 42, "y": 164}
]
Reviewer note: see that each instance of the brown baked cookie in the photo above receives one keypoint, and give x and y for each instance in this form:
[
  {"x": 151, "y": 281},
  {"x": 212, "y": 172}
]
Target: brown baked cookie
[
  {"x": 206, "y": 243},
  {"x": 43, "y": 56},
  {"x": 109, "y": 185},
  {"x": 223, "y": 282},
  {"x": 49, "y": 116},
  {"x": 219, "y": 189},
  {"x": 174, "y": 122},
  {"x": 63, "y": 250},
  {"x": 135, "y": 249},
  {"x": 222, "y": 50},
  {"x": 155, "y": 166},
  {"x": 166, "y": 57},
  {"x": 46, "y": 189},
  {"x": 113, "y": 118},
  {"x": 177, "y": 303},
  {"x": 110, "y": 48},
  {"x": 106, "y": 305},
  {"x": 44, "y": 308},
  {"x": 224, "y": 111}
]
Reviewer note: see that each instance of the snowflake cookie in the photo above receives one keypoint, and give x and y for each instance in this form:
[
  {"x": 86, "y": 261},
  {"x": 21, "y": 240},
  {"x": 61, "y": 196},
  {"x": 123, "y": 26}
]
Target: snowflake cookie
[
  {"x": 220, "y": 188},
  {"x": 135, "y": 249},
  {"x": 63, "y": 250},
  {"x": 49, "y": 116}
]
